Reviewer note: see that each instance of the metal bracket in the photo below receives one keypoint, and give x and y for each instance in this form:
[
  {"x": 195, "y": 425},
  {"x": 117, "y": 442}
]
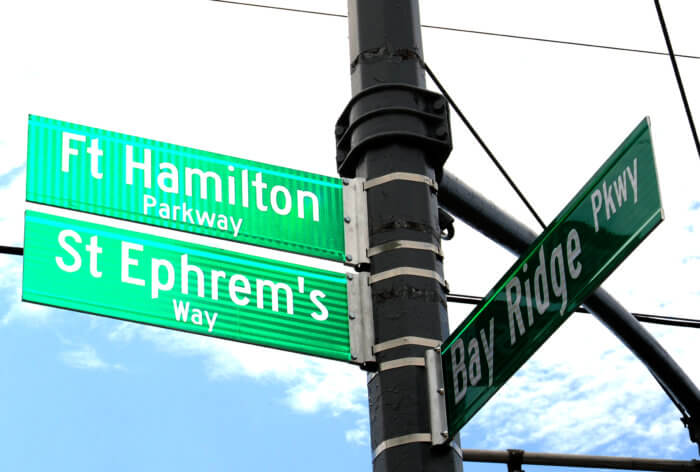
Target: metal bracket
[
  {"x": 405, "y": 341},
  {"x": 515, "y": 460},
  {"x": 405, "y": 244},
  {"x": 400, "y": 441},
  {"x": 402, "y": 362},
  {"x": 391, "y": 113},
  {"x": 355, "y": 222},
  {"x": 360, "y": 319},
  {"x": 408, "y": 176},
  {"x": 436, "y": 398},
  {"x": 398, "y": 271}
]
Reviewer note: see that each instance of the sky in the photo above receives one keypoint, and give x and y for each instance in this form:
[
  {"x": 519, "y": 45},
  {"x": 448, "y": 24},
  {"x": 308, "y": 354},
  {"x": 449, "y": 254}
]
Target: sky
[{"x": 80, "y": 392}]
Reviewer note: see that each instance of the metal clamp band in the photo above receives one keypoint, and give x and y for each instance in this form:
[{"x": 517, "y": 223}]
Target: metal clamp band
[
  {"x": 424, "y": 179},
  {"x": 405, "y": 341},
  {"x": 400, "y": 441},
  {"x": 360, "y": 319},
  {"x": 436, "y": 397},
  {"x": 387, "y": 274},
  {"x": 404, "y": 244},
  {"x": 355, "y": 225},
  {"x": 403, "y": 362}
]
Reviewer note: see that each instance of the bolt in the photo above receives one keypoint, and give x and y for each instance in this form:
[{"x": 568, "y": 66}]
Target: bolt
[
  {"x": 348, "y": 257},
  {"x": 437, "y": 348},
  {"x": 438, "y": 104},
  {"x": 354, "y": 358},
  {"x": 349, "y": 276},
  {"x": 444, "y": 434},
  {"x": 346, "y": 181},
  {"x": 351, "y": 316},
  {"x": 441, "y": 132},
  {"x": 346, "y": 219},
  {"x": 441, "y": 391}
]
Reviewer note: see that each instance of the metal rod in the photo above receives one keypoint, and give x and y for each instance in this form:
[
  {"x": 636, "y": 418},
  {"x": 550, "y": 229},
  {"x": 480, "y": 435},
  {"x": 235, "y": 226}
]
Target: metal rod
[
  {"x": 481, "y": 214},
  {"x": 654, "y": 319},
  {"x": 576, "y": 460},
  {"x": 15, "y": 251}
]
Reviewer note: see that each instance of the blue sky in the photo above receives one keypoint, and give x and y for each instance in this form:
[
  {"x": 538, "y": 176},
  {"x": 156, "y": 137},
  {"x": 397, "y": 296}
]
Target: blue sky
[{"x": 80, "y": 392}]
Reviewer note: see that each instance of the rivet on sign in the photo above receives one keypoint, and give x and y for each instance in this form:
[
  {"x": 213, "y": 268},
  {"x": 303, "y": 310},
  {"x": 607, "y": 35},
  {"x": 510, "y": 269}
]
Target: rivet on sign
[
  {"x": 444, "y": 434},
  {"x": 441, "y": 391},
  {"x": 348, "y": 257},
  {"x": 349, "y": 276},
  {"x": 346, "y": 181},
  {"x": 351, "y": 316},
  {"x": 346, "y": 219}
]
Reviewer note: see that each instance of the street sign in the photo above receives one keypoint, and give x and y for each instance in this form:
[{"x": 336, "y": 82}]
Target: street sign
[
  {"x": 137, "y": 179},
  {"x": 618, "y": 207},
  {"x": 135, "y": 276}
]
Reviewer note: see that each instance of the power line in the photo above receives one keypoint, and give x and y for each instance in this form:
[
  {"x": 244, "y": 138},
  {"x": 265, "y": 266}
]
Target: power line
[
  {"x": 655, "y": 319},
  {"x": 470, "y": 31},
  {"x": 678, "y": 75},
  {"x": 484, "y": 146},
  {"x": 271, "y": 7},
  {"x": 557, "y": 41}
]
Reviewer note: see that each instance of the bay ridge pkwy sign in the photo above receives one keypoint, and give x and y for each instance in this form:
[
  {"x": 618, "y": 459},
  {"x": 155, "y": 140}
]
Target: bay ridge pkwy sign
[{"x": 614, "y": 211}]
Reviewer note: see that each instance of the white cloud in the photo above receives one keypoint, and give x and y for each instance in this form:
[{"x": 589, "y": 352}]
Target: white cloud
[
  {"x": 313, "y": 384},
  {"x": 86, "y": 357},
  {"x": 12, "y": 211},
  {"x": 582, "y": 392},
  {"x": 360, "y": 434},
  {"x": 11, "y": 278}
]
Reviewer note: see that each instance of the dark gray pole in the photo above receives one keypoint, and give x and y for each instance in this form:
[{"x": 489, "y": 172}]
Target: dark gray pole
[
  {"x": 478, "y": 212},
  {"x": 395, "y": 134}
]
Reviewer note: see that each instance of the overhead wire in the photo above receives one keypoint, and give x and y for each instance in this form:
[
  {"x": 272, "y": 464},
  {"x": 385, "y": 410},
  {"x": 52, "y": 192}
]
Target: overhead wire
[
  {"x": 484, "y": 146},
  {"x": 471, "y": 31},
  {"x": 677, "y": 73},
  {"x": 475, "y": 300}
]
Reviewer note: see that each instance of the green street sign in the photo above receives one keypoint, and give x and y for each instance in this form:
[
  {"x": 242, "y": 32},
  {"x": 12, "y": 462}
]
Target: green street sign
[
  {"x": 163, "y": 282},
  {"x": 137, "y": 179},
  {"x": 601, "y": 226}
]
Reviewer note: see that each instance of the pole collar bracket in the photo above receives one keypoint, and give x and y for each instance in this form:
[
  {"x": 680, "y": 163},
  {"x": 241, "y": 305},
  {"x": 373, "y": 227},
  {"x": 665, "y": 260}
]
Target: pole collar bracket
[
  {"x": 391, "y": 113},
  {"x": 515, "y": 460}
]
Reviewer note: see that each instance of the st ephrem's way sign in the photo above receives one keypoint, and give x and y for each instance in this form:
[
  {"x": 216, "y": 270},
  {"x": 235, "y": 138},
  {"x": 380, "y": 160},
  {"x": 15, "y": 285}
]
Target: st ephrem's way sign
[
  {"x": 618, "y": 207},
  {"x": 134, "y": 276},
  {"x": 138, "y": 276}
]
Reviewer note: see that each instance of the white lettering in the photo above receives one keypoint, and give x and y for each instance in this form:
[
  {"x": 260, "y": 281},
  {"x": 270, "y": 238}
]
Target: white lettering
[
  {"x": 127, "y": 262},
  {"x": 459, "y": 370},
  {"x": 77, "y": 261},
  {"x": 301, "y": 196},
  {"x": 573, "y": 249},
  {"x": 95, "y": 154},
  {"x": 94, "y": 249},
  {"x": 487, "y": 345},
  {"x": 315, "y": 295},
  {"x": 145, "y": 166},
  {"x": 234, "y": 289},
  {"x": 67, "y": 151},
  {"x": 156, "y": 284}
]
